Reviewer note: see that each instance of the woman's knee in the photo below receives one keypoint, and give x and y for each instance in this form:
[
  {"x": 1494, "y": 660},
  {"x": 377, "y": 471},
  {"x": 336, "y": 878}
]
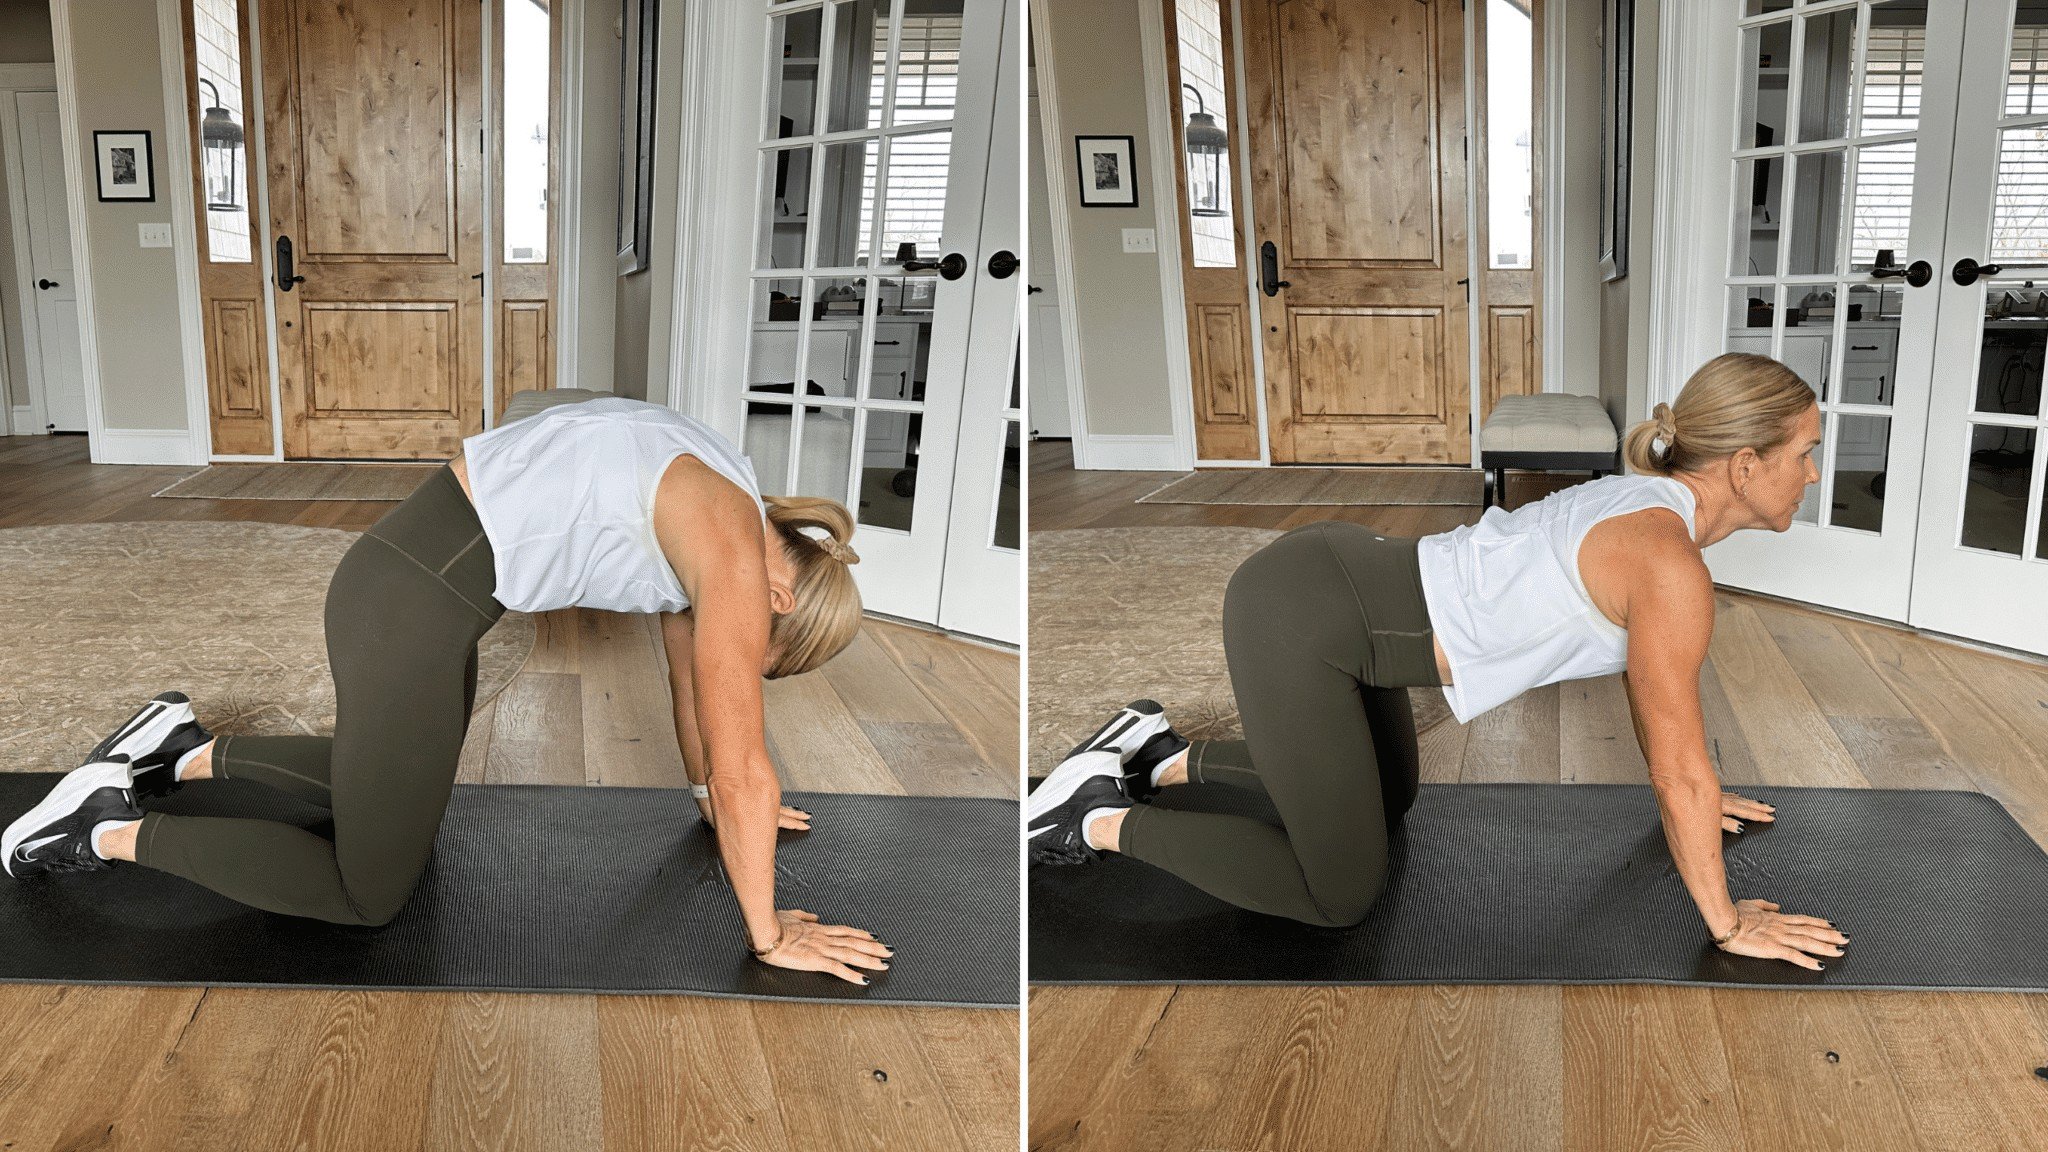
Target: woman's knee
[{"x": 1346, "y": 904}]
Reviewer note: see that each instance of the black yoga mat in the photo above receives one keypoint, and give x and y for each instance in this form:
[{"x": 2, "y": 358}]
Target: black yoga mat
[
  {"x": 1573, "y": 884},
  {"x": 557, "y": 889}
]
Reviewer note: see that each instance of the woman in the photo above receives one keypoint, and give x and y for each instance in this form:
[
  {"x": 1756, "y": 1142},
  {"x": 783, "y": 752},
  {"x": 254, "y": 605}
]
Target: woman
[
  {"x": 1325, "y": 627},
  {"x": 612, "y": 504}
]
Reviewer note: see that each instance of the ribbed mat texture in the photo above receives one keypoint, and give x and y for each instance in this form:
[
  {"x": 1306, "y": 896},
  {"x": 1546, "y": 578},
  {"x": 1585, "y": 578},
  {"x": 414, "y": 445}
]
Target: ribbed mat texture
[
  {"x": 556, "y": 889},
  {"x": 1573, "y": 884}
]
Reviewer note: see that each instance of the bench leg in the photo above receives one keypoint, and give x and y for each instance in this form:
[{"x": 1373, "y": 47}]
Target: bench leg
[{"x": 1500, "y": 485}]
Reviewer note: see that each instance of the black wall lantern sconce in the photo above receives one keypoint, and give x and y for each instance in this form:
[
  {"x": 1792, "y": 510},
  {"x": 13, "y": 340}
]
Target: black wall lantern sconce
[
  {"x": 220, "y": 140},
  {"x": 1207, "y": 145}
]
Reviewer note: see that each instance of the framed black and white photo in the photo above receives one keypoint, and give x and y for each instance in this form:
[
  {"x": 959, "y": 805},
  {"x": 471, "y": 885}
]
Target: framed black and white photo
[
  {"x": 1617, "y": 115},
  {"x": 127, "y": 170},
  {"x": 1108, "y": 171}
]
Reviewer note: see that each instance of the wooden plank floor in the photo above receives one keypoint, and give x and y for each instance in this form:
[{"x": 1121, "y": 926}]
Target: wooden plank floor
[
  {"x": 1794, "y": 696},
  {"x": 903, "y": 711}
]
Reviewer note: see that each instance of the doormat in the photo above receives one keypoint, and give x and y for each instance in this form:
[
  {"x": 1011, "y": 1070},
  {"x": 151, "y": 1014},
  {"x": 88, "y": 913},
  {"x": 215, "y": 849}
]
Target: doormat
[
  {"x": 1346, "y": 486},
  {"x": 301, "y": 481},
  {"x": 538, "y": 888},
  {"x": 1573, "y": 884}
]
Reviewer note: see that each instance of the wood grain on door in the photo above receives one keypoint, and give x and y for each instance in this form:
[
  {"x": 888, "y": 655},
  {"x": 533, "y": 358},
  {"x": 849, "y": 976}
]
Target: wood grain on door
[
  {"x": 373, "y": 112},
  {"x": 1357, "y": 110}
]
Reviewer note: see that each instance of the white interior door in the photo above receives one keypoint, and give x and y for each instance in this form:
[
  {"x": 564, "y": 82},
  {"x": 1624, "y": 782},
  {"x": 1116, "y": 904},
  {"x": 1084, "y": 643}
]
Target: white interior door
[
  {"x": 873, "y": 157},
  {"x": 979, "y": 592},
  {"x": 1982, "y": 562},
  {"x": 1842, "y": 132},
  {"x": 49, "y": 299},
  {"x": 1048, "y": 371}
]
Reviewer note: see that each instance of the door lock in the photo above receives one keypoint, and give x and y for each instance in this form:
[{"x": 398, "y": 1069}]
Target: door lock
[
  {"x": 1269, "y": 270},
  {"x": 285, "y": 277}
]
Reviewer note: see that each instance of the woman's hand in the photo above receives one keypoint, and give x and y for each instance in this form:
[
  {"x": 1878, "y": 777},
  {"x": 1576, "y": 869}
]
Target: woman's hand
[
  {"x": 795, "y": 819},
  {"x": 835, "y": 949},
  {"x": 1735, "y": 809},
  {"x": 1762, "y": 930}
]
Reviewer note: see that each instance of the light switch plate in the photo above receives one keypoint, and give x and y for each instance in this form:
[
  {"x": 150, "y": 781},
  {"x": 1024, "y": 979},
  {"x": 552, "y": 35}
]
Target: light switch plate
[
  {"x": 1140, "y": 240},
  {"x": 155, "y": 235}
]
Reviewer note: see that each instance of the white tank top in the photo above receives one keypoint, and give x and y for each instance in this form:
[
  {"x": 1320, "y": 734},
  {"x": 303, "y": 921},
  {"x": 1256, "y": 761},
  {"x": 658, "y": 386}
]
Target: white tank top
[
  {"x": 1506, "y": 600},
  {"x": 566, "y": 498}
]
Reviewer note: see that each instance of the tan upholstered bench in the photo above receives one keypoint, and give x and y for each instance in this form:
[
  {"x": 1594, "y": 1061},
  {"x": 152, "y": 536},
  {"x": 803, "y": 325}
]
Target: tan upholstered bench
[
  {"x": 524, "y": 404},
  {"x": 1549, "y": 431}
]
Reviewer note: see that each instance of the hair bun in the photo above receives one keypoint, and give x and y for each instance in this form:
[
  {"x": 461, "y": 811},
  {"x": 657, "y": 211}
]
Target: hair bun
[{"x": 1667, "y": 425}]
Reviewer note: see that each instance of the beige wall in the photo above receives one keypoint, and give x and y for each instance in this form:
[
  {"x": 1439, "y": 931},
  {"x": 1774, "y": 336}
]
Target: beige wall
[
  {"x": 646, "y": 300},
  {"x": 24, "y": 39},
  {"x": 1119, "y": 314},
  {"x": 135, "y": 289},
  {"x": 592, "y": 148},
  {"x": 1625, "y": 303}
]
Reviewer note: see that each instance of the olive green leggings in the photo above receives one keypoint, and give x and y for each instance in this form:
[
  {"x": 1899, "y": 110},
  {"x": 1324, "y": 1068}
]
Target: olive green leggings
[
  {"x": 1324, "y": 630},
  {"x": 405, "y": 610}
]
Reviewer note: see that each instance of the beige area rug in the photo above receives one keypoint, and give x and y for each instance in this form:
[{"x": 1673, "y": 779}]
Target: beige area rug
[
  {"x": 98, "y": 618},
  {"x": 1123, "y": 613},
  {"x": 1323, "y": 486},
  {"x": 300, "y": 481}
]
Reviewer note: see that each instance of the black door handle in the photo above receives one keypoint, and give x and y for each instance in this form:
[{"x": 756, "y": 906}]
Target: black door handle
[
  {"x": 1032, "y": 289},
  {"x": 1269, "y": 270},
  {"x": 951, "y": 266},
  {"x": 1917, "y": 275},
  {"x": 285, "y": 278},
  {"x": 1967, "y": 270},
  {"x": 46, "y": 285},
  {"x": 1003, "y": 264}
]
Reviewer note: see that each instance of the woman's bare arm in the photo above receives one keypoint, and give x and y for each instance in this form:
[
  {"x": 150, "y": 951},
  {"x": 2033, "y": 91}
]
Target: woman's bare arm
[
  {"x": 711, "y": 533},
  {"x": 1670, "y": 614},
  {"x": 678, "y": 641}
]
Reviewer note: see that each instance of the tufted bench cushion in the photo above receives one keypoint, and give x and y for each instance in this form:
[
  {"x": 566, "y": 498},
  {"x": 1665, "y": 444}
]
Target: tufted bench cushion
[
  {"x": 524, "y": 404},
  {"x": 1551, "y": 430}
]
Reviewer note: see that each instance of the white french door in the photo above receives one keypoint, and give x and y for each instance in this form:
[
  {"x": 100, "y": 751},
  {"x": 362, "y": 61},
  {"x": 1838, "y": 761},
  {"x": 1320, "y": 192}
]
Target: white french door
[
  {"x": 1981, "y": 568},
  {"x": 878, "y": 223},
  {"x": 1873, "y": 149}
]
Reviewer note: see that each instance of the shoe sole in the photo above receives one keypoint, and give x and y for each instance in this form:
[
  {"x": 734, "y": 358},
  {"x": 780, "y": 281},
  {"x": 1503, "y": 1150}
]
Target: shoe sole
[
  {"x": 151, "y": 724},
  {"x": 1065, "y": 780},
  {"x": 63, "y": 800},
  {"x": 1048, "y": 851},
  {"x": 1134, "y": 723}
]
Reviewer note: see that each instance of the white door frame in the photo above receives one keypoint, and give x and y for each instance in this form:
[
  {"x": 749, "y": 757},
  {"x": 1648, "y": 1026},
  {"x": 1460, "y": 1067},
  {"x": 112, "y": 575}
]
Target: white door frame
[
  {"x": 30, "y": 419},
  {"x": 1062, "y": 238}
]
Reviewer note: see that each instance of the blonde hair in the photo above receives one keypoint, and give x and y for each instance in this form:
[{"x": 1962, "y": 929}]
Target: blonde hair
[
  {"x": 827, "y": 613},
  {"x": 1736, "y": 400}
]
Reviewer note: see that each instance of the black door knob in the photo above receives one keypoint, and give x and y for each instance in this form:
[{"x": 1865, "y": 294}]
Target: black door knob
[
  {"x": 952, "y": 266},
  {"x": 1967, "y": 270},
  {"x": 1003, "y": 264},
  {"x": 46, "y": 285},
  {"x": 1918, "y": 275}
]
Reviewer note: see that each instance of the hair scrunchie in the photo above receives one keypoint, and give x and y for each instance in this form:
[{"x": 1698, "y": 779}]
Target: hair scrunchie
[
  {"x": 1667, "y": 427},
  {"x": 837, "y": 550}
]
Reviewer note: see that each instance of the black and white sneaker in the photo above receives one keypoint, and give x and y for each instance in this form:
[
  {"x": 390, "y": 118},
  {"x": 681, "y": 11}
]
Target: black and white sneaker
[
  {"x": 1127, "y": 731},
  {"x": 154, "y": 740},
  {"x": 56, "y": 835},
  {"x": 1056, "y": 809},
  {"x": 1162, "y": 747}
]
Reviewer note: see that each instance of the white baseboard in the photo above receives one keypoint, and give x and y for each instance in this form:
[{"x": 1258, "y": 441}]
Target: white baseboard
[
  {"x": 21, "y": 421},
  {"x": 144, "y": 446},
  {"x": 1131, "y": 454}
]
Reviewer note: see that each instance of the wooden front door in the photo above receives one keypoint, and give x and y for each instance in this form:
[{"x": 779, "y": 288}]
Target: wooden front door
[
  {"x": 374, "y": 128},
  {"x": 1357, "y": 110}
]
